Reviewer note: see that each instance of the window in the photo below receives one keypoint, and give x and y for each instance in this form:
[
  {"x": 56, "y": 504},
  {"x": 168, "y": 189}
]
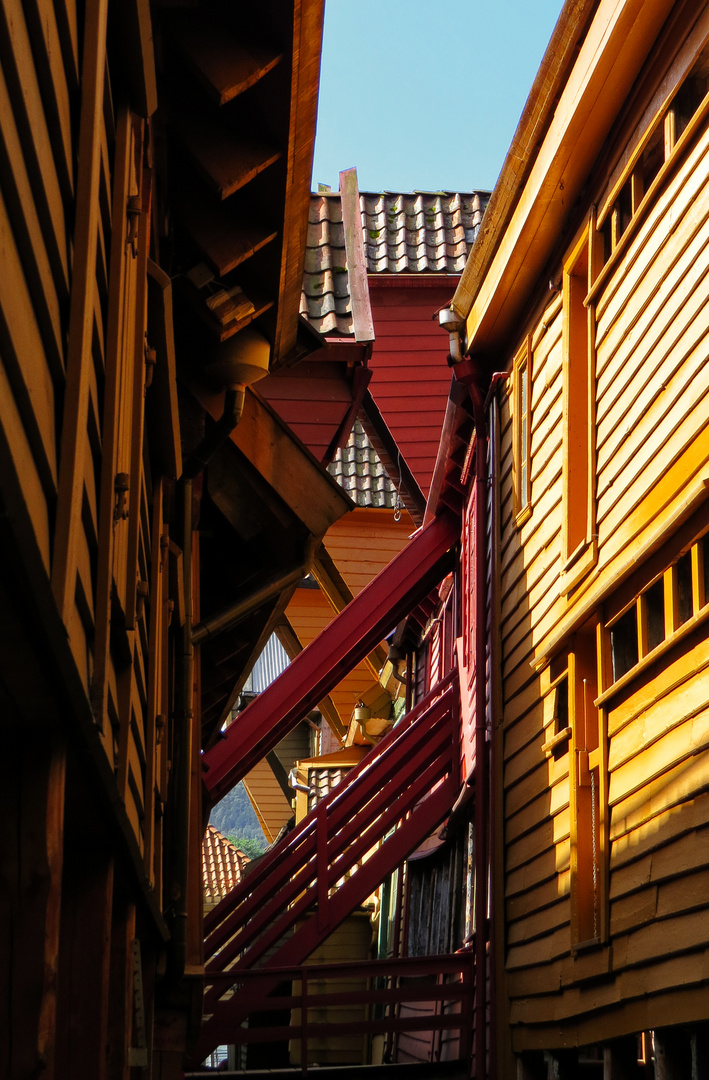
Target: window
[
  {"x": 574, "y": 729},
  {"x": 680, "y": 113},
  {"x": 578, "y": 522},
  {"x": 522, "y": 433},
  {"x": 676, "y": 598},
  {"x": 587, "y": 790}
]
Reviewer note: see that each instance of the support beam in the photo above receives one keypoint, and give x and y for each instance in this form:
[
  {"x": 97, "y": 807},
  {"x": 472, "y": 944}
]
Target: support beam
[{"x": 347, "y": 640}]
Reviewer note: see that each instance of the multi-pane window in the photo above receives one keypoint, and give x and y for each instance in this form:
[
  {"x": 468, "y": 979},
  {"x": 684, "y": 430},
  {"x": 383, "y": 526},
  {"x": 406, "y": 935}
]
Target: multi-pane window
[
  {"x": 573, "y": 729},
  {"x": 677, "y": 595},
  {"x": 680, "y": 113}
]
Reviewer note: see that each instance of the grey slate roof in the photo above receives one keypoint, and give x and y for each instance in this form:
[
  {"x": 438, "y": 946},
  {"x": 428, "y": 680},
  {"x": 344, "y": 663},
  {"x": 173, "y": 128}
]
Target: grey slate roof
[
  {"x": 421, "y": 232},
  {"x": 358, "y": 469},
  {"x": 424, "y": 233}
]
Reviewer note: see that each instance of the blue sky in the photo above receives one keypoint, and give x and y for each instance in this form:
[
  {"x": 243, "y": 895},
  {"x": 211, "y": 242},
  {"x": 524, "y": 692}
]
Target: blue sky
[{"x": 425, "y": 96}]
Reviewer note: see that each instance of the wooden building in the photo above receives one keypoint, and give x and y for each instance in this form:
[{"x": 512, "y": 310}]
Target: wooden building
[
  {"x": 586, "y": 294},
  {"x": 154, "y": 190}
]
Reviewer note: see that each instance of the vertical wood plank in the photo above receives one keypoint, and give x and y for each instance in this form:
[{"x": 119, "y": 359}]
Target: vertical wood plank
[
  {"x": 79, "y": 354},
  {"x": 158, "y": 580},
  {"x": 31, "y": 827},
  {"x": 138, "y": 396},
  {"x": 82, "y": 1018},
  {"x": 114, "y": 335},
  {"x": 120, "y": 1012}
]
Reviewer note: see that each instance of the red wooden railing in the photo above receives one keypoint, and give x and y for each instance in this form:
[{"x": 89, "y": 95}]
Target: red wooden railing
[
  {"x": 327, "y": 867},
  {"x": 440, "y": 986}
]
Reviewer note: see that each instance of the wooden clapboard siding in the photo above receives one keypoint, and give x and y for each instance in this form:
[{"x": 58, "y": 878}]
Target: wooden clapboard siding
[
  {"x": 350, "y": 942},
  {"x": 536, "y": 789},
  {"x": 308, "y": 614},
  {"x": 73, "y": 315},
  {"x": 652, "y": 400},
  {"x": 272, "y": 808},
  {"x": 363, "y": 542},
  {"x": 410, "y": 376}
]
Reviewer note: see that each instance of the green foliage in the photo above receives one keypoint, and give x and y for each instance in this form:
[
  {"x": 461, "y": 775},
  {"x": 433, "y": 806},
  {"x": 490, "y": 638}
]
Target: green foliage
[
  {"x": 235, "y": 816},
  {"x": 249, "y": 845}
]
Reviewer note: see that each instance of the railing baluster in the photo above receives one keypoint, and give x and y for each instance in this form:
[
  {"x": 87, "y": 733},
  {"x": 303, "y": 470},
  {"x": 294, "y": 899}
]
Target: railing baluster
[
  {"x": 304, "y": 1020},
  {"x": 322, "y": 867}
]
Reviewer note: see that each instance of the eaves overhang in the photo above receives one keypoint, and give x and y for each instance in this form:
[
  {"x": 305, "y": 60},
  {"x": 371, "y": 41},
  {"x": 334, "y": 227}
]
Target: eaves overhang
[{"x": 594, "y": 57}]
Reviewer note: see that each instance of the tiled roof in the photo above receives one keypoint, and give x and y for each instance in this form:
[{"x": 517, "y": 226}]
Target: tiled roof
[
  {"x": 222, "y": 866},
  {"x": 358, "y": 469},
  {"x": 422, "y": 232}
]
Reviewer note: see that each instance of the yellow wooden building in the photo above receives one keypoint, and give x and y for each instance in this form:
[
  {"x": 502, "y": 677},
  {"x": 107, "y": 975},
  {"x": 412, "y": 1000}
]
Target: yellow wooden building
[{"x": 587, "y": 289}]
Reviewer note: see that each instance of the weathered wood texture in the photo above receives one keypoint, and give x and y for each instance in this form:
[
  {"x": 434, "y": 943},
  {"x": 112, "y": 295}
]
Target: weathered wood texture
[
  {"x": 75, "y": 206},
  {"x": 652, "y": 441}
]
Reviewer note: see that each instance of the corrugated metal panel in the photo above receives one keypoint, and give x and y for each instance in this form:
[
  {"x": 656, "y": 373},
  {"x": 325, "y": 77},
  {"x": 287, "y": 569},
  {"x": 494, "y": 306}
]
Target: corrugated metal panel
[{"x": 272, "y": 661}]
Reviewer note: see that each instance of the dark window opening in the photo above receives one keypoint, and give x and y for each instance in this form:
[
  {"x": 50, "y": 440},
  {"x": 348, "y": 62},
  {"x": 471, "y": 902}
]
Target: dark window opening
[
  {"x": 653, "y": 156},
  {"x": 655, "y": 608},
  {"x": 684, "y": 588},
  {"x": 625, "y": 208},
  {"x": 624, "y": 643}
]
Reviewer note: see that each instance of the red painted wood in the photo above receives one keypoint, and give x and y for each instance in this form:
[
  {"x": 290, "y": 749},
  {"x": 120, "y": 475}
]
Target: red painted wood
[
  {"x": 411, "y": 781},
  {"x": 320, "y": 666},
  {"x": 425, "y": 815},
  {"x": 365, "y": 809},
  {"x": 411, "y": 380},
  {"x": 465, "y": 644}
]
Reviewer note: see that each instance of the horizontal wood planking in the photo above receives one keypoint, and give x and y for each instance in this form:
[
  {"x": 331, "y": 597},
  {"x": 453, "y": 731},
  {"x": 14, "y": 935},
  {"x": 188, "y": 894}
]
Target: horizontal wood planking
[
  {"x": 652, "y": 406},
  {"x": 363, "y": 542},
  {"x": 308, "y": 614},
  {"x": 411, "y": 380}
]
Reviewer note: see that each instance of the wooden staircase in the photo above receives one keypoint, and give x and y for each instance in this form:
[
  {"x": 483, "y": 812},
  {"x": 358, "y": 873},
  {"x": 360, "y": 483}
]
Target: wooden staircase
[{"x": 332, "y": 862}]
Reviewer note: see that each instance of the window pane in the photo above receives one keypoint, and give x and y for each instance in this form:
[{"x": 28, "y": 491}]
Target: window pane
[
  {"x": 624, "y": 643},
  {"x": 684, "y": 588},
  {"x": 561, "y": 706},
  {"x": 704, "y": 559},
  {"x": 655, "y": 608}
]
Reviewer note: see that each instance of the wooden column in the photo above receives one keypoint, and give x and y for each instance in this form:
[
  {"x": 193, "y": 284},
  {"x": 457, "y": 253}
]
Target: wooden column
[
  {"x": 673, "y": 1054},
  {"x": 85, "y": 953},
  {"x": 32, "y": 785},
  {"x": 620, "y": 1059},
  {"x": 120, "y": 1012}
]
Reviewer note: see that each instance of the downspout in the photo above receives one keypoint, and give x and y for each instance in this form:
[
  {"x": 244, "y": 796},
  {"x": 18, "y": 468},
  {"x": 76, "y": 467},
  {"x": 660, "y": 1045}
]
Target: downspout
[
  {"x": 497, "y": 960},
  {"x": 481, "y": 747},
  {"x": 470, "y": 372}
]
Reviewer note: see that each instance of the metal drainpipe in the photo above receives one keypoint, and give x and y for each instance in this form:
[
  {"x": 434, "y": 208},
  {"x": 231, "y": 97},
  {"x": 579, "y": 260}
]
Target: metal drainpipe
[
  {"x": 496, "y": 932},
  {"x": 469, "y": 372},
  {"x": 184, "y": 710},
  {"x": 481, "y": 749}
]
